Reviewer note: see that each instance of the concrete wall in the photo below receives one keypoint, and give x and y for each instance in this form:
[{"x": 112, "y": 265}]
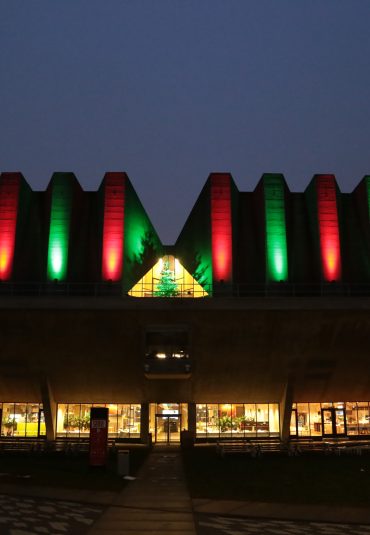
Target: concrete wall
[{"x": 243, "y": 351}]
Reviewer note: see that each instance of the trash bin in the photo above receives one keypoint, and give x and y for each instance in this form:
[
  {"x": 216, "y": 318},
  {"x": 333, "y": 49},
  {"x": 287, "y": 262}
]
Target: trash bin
[{"x": 123, "y": 462}]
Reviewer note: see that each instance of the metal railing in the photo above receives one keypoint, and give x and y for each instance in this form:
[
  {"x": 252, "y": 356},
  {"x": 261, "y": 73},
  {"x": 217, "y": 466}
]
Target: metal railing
[{"x": 104, "y": 289}]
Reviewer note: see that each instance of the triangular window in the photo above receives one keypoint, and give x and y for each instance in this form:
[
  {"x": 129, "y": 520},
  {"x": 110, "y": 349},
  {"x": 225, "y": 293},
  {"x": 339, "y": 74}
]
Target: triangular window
[{"x": 167, "y": 278}]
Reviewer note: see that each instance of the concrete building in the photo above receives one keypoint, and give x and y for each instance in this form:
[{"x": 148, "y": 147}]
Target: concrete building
[{"x": 255, "y": 323}]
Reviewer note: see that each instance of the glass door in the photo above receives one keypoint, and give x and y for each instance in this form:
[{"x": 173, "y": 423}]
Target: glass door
[
  {"x": 167, "y": 428},
  {"x": 327, "y": 416},
  {"x": 340, "y": 422},
  {"x": 333, "y": 422}
]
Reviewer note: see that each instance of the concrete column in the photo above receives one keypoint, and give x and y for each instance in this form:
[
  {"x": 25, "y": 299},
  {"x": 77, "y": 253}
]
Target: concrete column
[
  {"x": 286, "y": 403},
  {"x": 50, "y": 408},
  {"x": 192, "y": 420},
  {"x": 144, "y": 423}
]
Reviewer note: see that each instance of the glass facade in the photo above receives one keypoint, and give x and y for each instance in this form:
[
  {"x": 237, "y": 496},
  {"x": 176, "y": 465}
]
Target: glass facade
[
  {"x": 22, "y": 420},
  {"x": 330, "y": 419},
  {"x": 73, "y": 419},
  {"x": 213, "y": 420},
  {"x": 222, "y": 420}
]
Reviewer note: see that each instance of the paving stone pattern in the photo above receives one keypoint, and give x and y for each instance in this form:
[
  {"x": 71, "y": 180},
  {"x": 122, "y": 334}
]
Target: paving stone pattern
[
  {"x": 218, "y": 525},
  {"x": 33, "y": 516}
]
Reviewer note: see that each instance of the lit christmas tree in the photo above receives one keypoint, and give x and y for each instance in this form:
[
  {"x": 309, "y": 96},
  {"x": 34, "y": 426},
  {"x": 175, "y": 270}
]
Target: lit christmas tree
[{"x": 166, "y": 286}]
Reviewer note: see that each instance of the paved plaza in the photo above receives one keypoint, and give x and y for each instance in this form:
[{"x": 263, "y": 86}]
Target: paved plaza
[
  {"x": 218, "y": 525},
  {"x": 32, "y": 516},
  {"x": 157, "y": 502}
]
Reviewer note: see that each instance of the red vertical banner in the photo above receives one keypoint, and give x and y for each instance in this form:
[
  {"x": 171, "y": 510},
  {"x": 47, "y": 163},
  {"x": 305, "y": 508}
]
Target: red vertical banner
[
  {"x": 9, "y": 199},
  {"x": 113, "y": 226},
  {"x": 98, "y": 436},
  {"x": 222, "y": 256},
  {"x": 331, "y": 265}
]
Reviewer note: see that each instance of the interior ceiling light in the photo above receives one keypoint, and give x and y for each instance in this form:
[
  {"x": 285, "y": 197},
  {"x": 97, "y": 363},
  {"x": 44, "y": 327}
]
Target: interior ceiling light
[{"x": 161, "y": 355}]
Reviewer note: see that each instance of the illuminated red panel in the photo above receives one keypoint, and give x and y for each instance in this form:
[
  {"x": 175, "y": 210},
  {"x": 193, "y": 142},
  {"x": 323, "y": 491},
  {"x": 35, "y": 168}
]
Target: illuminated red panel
[
  {"x": 328, "y": 228},
  {"x": 221, "y": 228},
  {"x": 114, "y": 210},
  {"x": 9, "y": 197}
]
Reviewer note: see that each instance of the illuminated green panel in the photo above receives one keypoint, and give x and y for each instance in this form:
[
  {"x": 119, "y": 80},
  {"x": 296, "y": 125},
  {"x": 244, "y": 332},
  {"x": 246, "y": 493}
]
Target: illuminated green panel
[
  {"x": 368, "y": 192},
  {"x": 194, "y": 245},
  {"x": 276, "y": 241},
  {"x": 59, "y": 228},
  {"x": 142, "y": 247}
]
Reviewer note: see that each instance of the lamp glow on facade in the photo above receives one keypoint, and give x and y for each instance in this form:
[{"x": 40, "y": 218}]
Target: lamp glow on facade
[
  {"x": 221, "y": 228},
  {"x": 331, "y": 264},
  {"x": 276, "y": 237},
  {"x": 60, "y": 215},
  {"x": 9, "y": 200},
  {"x": 113, "y": 227}
]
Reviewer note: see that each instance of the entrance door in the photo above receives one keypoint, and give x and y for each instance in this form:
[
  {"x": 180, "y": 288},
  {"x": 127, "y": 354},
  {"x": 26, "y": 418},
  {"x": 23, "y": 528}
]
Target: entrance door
[
  {"x": 167, "y": 428},
  {"x": 333, "y": 422},
  {"x": 41, "y": 431}
]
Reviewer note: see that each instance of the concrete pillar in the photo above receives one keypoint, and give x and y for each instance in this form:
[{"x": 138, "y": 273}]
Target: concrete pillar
[
  {"x": 192, "y": 420},
  {"x": 50, "y": 408},
  {"x": 286, "y": 403},
  {"x": 144, "y": 423}
]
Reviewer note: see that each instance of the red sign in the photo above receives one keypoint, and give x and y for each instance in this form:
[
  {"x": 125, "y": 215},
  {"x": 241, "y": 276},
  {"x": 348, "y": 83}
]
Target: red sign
[{"x": 98, "y": 436}]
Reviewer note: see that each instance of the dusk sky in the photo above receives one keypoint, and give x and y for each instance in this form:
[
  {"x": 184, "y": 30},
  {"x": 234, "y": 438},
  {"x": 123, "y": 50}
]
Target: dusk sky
[{"x": 171, "y": 90}]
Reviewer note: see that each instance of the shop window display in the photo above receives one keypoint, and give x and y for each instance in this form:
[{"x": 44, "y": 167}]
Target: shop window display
[
  {"x": 73, "y": 420},
  {"x": 330, "y": 419},
  {"x": 237, "y": 420},
  {"x": 22, "y": 420}
]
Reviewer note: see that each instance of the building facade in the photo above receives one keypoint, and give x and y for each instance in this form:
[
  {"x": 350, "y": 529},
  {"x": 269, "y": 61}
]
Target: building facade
[{"x": 254, "y": 324}]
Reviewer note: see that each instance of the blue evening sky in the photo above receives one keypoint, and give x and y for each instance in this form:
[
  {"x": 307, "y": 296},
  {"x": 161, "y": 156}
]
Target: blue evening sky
[{"x": 170, "y": 90}]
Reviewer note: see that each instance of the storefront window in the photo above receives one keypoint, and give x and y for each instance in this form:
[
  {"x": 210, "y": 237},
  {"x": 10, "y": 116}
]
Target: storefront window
[
  {"x": 112, "y": 419},
  {"x": 274, "y": 421},
  {"x": 213, "y": 420},
  {"x": 363, "y": 418},
  {"x": 32, "y": 421},
  {"x": 262, "y": 420},
  {"x": 330, "y": 418},
  {"x": 315, "y": 419},
  {"x": 225, "y": 420},
  {"x": 250, "y": 419},
  {"x": 73, "y": 420},
  {"x": 303, "y": 420},
  {"x": 22, "y": 420},
  {"x": 237, "y": 420},
  {"x": 352, "y": 419},
  {"x": 201, "y": 418}
]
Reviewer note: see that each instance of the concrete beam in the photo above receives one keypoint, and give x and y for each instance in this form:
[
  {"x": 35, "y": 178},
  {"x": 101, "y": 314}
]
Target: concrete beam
[
  {"x": 50, "y": 408},
  {"x": 286, "y": 403},
  {"x": 144, "y": 423}
]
